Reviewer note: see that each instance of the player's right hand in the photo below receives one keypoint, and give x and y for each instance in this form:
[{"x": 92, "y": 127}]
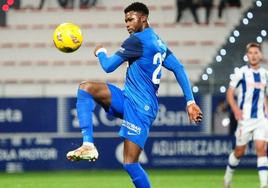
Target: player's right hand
[
  {"x": 99, "y": 46},
  {"x": 238, "y": 114},
  {"x": 194, "y": 112}
]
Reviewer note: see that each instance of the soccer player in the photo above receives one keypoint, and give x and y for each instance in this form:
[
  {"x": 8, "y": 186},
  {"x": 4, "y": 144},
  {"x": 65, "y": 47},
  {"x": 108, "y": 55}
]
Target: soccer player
[
  {"x": 250, "y": 82},
  {"x": 137, "y": 103}
]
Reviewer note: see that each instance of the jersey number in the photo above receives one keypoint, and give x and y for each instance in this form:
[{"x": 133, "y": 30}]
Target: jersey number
[{"x": 158, "y": 59}]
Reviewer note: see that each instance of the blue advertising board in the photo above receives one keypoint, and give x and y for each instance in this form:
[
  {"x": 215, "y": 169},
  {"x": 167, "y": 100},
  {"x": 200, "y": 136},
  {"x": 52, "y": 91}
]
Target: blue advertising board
[
  {"x": 55, "y": 121},
  {"x": 42, "y": 115},
  {"x": 28, "y": 115},
  {"x": 162, "y": 152}
]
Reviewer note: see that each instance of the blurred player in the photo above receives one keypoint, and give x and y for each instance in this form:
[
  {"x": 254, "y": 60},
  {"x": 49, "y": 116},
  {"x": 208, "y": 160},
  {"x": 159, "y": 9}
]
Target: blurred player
[
  {"x": 250, "y": 111},
  {"x": 137, "y": 104}
]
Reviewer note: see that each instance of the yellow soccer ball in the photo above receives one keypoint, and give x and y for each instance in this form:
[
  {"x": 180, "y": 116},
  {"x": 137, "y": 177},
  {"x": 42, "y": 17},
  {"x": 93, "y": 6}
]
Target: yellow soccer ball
[{"x": 67, "y": 37}]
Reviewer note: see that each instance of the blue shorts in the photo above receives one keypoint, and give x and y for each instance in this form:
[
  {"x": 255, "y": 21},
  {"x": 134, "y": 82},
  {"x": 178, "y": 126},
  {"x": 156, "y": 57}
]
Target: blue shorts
[{"x": 136, "y": 125}]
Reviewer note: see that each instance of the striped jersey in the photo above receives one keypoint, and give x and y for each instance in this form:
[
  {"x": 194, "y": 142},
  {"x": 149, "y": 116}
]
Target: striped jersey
[{"x": 251, "y": 89}]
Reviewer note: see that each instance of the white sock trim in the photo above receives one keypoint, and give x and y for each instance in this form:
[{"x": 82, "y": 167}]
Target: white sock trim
[{"x": 88, "y": 144}]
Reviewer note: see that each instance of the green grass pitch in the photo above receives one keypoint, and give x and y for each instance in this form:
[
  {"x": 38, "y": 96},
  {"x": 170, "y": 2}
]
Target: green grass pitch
[{"x": 119, "y": 179}]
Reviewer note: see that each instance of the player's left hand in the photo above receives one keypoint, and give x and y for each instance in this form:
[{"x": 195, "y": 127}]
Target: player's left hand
[{"x": 194, "y": 113}]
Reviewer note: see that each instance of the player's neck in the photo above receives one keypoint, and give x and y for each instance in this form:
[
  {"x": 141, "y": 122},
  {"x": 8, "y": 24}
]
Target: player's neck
[
  {"x": 255, "y": 67},
  {"x": 146, "y": 25}
]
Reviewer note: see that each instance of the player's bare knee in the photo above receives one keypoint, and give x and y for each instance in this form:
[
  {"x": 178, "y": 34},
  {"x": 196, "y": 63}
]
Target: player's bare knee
[
  {"x": 88, "y": 87},
  {"x": 239, "y": 153}
]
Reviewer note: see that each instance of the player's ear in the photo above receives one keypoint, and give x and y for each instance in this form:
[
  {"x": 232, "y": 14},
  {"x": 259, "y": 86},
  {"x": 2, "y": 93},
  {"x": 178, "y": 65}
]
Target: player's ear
[{"x": 144, "y": 18}]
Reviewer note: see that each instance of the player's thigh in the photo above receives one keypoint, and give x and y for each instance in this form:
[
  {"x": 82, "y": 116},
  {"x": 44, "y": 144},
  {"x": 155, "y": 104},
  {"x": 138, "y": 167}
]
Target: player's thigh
[{"x": 243, "y": 132}]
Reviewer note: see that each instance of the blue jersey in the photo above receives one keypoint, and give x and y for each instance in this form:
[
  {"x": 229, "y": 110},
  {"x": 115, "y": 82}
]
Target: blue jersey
[
  {"x": 137, "y": 105},
  {"x": 145, "y": 53}
]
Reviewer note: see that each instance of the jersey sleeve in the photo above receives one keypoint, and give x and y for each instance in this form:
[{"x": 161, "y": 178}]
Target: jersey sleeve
[
  {"x": 130, "y": 49},
  {"x": 236, "y": 78},
  {"x": 173, "y": 64},
  {"x": 109, "y": 64}
]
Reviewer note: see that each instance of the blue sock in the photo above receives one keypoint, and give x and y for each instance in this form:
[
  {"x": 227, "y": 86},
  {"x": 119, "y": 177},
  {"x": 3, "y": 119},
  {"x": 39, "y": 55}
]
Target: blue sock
[
  {"x": 138, "y": 175},
  {"x": 85, "y": 106}
]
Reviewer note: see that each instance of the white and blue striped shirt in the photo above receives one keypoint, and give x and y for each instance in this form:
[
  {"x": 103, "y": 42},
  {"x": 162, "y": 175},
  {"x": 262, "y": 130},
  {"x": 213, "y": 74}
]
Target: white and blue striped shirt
[{"x": 251, "y": 88}]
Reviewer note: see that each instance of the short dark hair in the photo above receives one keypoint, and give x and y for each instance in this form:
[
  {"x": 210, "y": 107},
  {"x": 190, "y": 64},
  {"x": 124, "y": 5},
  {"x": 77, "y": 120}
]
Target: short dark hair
[
  {"x": 253, "y": 44},
  {"x": 137, "y": 7}
]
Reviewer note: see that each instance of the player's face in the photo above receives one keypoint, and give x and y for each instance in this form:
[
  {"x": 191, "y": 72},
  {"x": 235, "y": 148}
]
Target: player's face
[
  {"x": 254, "y": 56},
  {"x": 134, "y": 21}
]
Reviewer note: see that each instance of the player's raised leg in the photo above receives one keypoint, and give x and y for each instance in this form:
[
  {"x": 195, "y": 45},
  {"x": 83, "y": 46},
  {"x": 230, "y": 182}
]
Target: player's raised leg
[{"x": 87, "y": 94}]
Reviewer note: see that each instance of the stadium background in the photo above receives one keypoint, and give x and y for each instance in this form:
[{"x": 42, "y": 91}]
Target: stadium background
[{"x": 38, "y": 84}]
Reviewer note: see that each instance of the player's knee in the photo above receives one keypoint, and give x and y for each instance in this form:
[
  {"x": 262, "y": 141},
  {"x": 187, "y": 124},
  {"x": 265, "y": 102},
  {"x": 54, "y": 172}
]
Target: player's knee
[
  {"x": 239, "y": 153},
  {"x": 87, "y": 86}
]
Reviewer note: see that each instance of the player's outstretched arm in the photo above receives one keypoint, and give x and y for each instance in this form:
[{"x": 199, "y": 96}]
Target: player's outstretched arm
[
  {"x": 108, "y": 64},
  {"x": 173, "y": 64}
]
